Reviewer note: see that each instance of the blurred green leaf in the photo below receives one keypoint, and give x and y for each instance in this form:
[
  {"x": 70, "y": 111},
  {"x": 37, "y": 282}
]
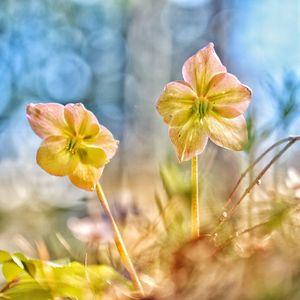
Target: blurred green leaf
[
  {"x": 174, "y": 182},
  {"x": 27, "y": 290},
  {"x": 12, "y": 271},
  {"x": 252, "y": 135},
  {"x": 4, "y": 256},
  {"x": 56, "y": 279}
]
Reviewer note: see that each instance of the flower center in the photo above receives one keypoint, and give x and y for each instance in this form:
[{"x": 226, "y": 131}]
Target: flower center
[
  {"x": 202, "y": 107},
  {"x": 73, "y": 144}
]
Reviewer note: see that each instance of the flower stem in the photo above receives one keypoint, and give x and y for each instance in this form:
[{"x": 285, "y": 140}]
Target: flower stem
[
  {"x": 195, "y": 199},
  {"x": 126, "y": 260}
]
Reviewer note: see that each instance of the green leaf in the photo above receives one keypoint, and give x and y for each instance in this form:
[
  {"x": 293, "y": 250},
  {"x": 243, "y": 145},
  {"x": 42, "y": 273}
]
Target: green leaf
[
  {"x": 36, "y": 279},
  {"x": 11, "y": 271},
  {"x": 4, "y": 256},
  {"x": 28, "y": 290},
  {"x": 20, "y": 256},
  {"x": 17, "y": 261}
]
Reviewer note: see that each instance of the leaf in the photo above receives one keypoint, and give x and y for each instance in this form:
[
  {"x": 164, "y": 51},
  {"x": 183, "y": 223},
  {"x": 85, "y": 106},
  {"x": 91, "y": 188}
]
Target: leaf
[
  {"x": 17, "y": 261},
  {"x": 27, "y": 290},
  {"x": 36, "y": 280},
  {"x": 12, "y": 271},
  {"x": 4, "y": 256}
]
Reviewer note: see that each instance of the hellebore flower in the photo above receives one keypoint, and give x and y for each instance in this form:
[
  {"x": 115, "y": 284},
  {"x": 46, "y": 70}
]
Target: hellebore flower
[
  {"x": 74, "y": 143},
  {"x": 209, "y": 103}
]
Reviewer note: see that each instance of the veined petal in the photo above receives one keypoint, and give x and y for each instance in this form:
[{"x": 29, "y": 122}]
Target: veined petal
[
  {"x": 85, "y": 176},
  {"x": 229, "y": 97},
  {"x": 93, "y": 156},
  {"x": 105, "y": 141},
  {"x": 177, "y": 98},
  {"x": 227, "y": 133},
  {"x": 47, "y": 119},
  {"x": 181, "y": 117},
  {"x": 201, "y": 67},
  {"x": 53, "y": 157},
  {"x": 189, "y": 140},
  {"x": 80, "y": 120}
]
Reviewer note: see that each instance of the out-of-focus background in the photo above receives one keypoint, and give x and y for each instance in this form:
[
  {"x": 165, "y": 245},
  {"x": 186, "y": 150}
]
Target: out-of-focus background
[{"x": 115, "y": 56}]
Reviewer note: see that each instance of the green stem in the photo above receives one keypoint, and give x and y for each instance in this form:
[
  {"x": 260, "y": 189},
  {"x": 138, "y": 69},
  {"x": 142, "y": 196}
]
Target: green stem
[
  {"x": 126, "y": 260},
  {"x": 195, "y": 199}
]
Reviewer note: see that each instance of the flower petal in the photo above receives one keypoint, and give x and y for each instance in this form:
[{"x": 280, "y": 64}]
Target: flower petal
[
  {"x": 105, "y": 141},
  {"x": 227, "y": 133},
  {"x": 181, "y": 118},
  {"x": 53, "y": 157},
  {"x": 189, "y": 140},
  {"x": 46, "y": 119},
  {"x": 177, "y": 98},
  {"x": 93, "y": 156},
  {"x": 80, "y": 120},
  {"x": 230, "y": 97},
  {"x": 201, "y": 67},
  {"x": 85, "y": 176}
]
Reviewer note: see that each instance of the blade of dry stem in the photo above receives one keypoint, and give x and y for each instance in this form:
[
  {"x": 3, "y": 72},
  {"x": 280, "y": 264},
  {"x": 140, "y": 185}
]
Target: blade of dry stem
[
  {"x": 261, "y": 174},
  {"x": 291, "y": 140},
  {"x": 251, "y": 166},
  {"x": 126, "y": 260},
  {"x": 247, "y": 230},
  {"x": 161, "y": 211},
  {"x": 239, "y": 233},
  {"x": 195, "y": 198}
]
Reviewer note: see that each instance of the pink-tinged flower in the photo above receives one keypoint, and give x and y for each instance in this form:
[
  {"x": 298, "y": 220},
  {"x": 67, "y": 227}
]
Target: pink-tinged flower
[
  {"x": 209, "y": 103},
  {"x": 74, "y": 143}
]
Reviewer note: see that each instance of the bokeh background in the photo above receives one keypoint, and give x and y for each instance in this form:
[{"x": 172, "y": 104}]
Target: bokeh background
[{"x": 115, "y": 56}]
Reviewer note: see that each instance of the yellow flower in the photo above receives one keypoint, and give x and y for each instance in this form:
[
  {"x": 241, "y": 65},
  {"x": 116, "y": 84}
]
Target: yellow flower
[
  {"x": 74, "y": 145},
  {"x": 209, "y": 103}
]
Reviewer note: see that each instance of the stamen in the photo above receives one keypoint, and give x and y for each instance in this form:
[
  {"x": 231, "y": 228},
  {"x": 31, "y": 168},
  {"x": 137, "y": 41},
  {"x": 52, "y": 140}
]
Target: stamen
[
  {"x": 73, "y": 145},
  {"x": 202, "y": 107}
]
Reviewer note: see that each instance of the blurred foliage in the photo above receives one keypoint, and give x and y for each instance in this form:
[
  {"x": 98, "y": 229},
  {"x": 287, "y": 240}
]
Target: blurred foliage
[
  {"x": 32, "y": 279},
  {"x": 174, "y": 180},
  {"x": 231, "y": 259},
  {"x": 258, "y": 262}
]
